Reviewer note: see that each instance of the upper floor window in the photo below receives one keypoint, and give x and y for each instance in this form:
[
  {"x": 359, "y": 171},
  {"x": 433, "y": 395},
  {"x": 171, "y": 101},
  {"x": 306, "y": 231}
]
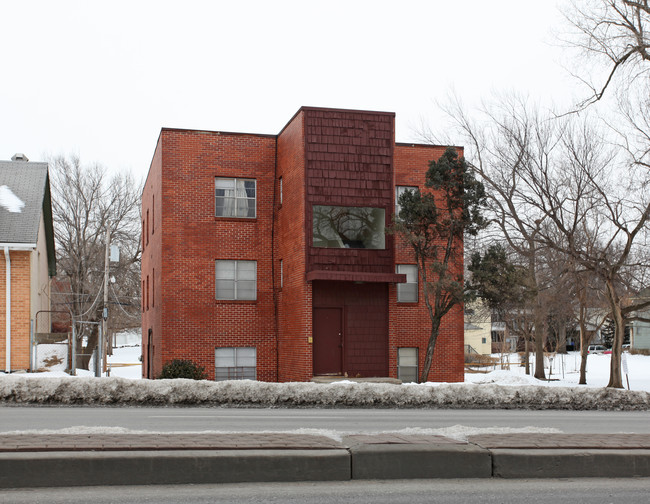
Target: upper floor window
[
  {"x": 236, "y": 280},
  {"x": 399, "y": 190},
  {"x": 348, "y": 227},
  {"x": 408, "y": 292},
  {"x": 235, "y": 197}
]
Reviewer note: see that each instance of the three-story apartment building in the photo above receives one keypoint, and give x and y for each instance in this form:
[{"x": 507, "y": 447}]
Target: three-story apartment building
[{"x": 267, "y": 256}]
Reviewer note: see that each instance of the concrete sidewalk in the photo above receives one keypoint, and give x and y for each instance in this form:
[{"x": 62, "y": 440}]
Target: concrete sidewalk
[{"x": 141, "y": 459}]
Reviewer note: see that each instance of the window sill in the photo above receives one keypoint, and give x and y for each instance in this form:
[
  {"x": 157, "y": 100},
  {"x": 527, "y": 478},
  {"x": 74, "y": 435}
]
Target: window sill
[
  {"x": 235, "y": 219},
  {"x": 235, "y": 301},
  {"x": 407, "y": 303}
]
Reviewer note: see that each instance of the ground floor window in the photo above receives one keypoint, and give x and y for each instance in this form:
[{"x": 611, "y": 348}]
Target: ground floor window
[
  {"x": 407, "y": 364},
  {"x": 235, "y": 363}
]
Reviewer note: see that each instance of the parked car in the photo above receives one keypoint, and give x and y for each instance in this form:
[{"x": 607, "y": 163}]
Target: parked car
[
  {"x": 626, "y": 347},
  {"x": 595, "y": 349}
]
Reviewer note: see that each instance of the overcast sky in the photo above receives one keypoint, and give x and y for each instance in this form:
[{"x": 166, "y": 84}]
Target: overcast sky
[{"x": 100, "y": 79}]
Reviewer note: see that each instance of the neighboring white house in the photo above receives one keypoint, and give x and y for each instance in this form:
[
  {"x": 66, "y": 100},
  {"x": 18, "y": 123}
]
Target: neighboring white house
[
  {"x": 479, "y": 337},
  {"x": 639, "y": 325},
  {"x": 478, "y": 329}
]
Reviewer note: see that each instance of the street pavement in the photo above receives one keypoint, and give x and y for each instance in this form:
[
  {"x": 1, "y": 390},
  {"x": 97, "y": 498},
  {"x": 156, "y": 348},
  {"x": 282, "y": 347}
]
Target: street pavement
[{"x": 54, "y": 460}]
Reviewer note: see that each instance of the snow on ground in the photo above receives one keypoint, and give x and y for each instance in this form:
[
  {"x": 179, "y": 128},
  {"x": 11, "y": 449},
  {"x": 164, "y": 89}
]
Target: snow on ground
[{"x": 500, "y": 388}]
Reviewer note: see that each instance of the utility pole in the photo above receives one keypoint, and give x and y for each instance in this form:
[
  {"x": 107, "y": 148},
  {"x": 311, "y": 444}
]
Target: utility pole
[{"x": 104, "y": 332}]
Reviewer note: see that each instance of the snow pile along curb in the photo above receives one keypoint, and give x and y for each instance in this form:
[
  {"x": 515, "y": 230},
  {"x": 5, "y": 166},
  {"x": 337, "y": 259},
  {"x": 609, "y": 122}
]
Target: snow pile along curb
[{"x": 120, "y": 391}]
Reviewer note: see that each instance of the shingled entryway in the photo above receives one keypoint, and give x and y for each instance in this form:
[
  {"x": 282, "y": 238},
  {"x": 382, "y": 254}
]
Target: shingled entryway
[{"x": 350, "y": 327}]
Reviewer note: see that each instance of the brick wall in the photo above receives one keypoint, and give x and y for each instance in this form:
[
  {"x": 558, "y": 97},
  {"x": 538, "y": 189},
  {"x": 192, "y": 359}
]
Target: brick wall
[
  {"x": 294, "y": 299},
  {"x": 20, "y": 309},
  {"x": 152, "y": 267},
  {"x": 192, "y": 322}
]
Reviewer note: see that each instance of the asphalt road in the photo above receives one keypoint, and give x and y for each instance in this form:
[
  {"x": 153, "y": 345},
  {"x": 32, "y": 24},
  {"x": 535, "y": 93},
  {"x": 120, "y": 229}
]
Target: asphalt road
[
  {"x": 592, "y": 491},
  {"x": 14, "y": 418}
]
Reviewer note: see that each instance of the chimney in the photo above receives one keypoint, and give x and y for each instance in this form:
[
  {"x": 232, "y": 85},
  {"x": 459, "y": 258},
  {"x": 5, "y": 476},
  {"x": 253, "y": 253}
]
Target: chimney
[{"x": 19, "y": 156}]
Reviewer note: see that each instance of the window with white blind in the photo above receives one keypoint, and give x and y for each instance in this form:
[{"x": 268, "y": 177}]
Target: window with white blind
[
  {"x": 408, "y": 292},
  {"x": 235, "y": 363},
  {"x": 236, "y": 280},
  {"x": 407, "y": 364}
]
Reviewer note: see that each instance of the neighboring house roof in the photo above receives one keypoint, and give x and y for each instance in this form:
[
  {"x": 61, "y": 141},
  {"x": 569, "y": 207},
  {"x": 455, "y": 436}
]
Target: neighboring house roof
[{"x": 24, "y": 197}]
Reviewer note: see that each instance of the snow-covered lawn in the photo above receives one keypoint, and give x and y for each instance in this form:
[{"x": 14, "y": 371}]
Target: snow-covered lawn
[
  {"x": 125, "y": 362},
  {"x": 501, "y": 388},
  {"x": 564, "y": 372}
]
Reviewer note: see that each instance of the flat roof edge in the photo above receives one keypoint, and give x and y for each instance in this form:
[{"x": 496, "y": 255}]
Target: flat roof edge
[
  {"x": 216, "y": 132},
  {"x": 412, "y": 144}
]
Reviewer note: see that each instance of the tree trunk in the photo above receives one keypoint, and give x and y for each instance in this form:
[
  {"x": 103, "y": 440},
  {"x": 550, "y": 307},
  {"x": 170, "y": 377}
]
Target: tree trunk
[
  {"x": 428, "y": 359},
  {"x": 584, "y": 346},
  {"x": 539, "y": 345},
  {"x": 615, "y": 377},
  {"x": 527, "y": 354},
  {"x": 560, "y": 346},
  {"x": 502, "y": 357},
  {"x": 85, "y": 352}
]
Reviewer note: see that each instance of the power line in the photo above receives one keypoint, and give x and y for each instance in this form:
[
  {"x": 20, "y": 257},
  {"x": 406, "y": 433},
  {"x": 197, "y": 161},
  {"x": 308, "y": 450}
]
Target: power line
[{"x": 120, "y": 305}]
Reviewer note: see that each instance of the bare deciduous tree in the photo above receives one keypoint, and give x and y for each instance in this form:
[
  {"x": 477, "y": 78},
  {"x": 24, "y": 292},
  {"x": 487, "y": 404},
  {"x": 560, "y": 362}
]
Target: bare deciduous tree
[
  {"x": 85, "y": 201},
  {"x": 614, "y": 33},
  {"x": 596, "y": 214},
  {"x": 563, "y": 185},
  {"x": 508, "y": 140}
]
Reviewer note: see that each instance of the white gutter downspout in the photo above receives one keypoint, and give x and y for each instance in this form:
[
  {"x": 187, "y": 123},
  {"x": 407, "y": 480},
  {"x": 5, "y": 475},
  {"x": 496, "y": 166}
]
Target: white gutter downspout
[{"x": 8, "y": 315}]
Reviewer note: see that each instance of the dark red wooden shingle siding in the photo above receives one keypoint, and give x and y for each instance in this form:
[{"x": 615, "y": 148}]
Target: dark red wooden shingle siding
[{"x": 349, "y": 162}]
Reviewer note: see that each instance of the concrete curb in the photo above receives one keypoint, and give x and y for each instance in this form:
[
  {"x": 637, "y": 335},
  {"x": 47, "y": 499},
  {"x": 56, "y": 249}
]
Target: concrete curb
[
  {"x": 57, "y": 469},
  {"x": 419, "y": 461},
  {"x": 574, "y": 463},
  {"x": 150, "y": 459}
]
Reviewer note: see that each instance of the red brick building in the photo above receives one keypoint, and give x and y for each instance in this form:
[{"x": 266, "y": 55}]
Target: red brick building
[{"x": 266, "y": 256}]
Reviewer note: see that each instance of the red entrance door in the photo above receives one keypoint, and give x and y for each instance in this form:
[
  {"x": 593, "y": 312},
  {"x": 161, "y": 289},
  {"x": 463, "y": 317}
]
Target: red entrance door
[{"x": 328, "y": 341}]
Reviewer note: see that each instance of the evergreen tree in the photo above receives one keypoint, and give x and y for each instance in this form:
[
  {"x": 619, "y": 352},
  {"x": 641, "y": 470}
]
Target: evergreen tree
[
  {"x": 607, "y": 332},
  {"x": 433, "y": 223},
  {"x": 496, "y": 280}
]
